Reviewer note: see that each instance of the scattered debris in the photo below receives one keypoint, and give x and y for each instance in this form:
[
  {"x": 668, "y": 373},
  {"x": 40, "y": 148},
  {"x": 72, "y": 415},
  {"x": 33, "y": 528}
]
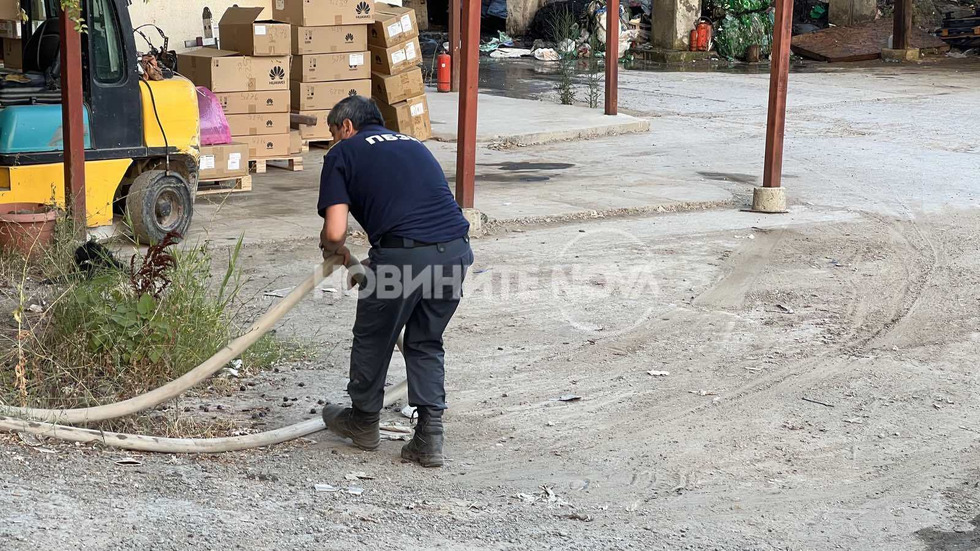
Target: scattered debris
[
  {"x": 36, "y": 308},
  {"x": 785, "y": 309},
  {"x": 546, "y": 54},
  {"x": 325, "y": 488},
  {"x": 818, "y": 402},
  {"x": 854, "y": 421},
  {"x": 549, "y": 424},
  {"x": 568, "y": 398},
  {"x": 360, "y": 475},
  {"x": 278, "y": 293},
  {"x": 509, "y": 53},
  {"x": 579, "y": 516},
  {"x": 703, "y": 392},
  {"x": 355, "y": 491},
  {"x": 658, "y": 373},
  {"x": 408, "y": 411},
  {"x": 329, "y": 290},
  {"x": 129, "y": 461}
]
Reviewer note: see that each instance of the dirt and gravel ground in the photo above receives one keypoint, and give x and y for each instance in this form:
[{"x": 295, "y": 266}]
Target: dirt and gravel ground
[
  {"x": 820, "y": 395},
  {"x": 821, "y": 365}
]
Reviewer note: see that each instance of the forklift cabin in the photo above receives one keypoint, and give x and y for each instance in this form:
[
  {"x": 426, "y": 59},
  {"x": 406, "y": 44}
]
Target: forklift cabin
[{"x": 141, "y": 136}]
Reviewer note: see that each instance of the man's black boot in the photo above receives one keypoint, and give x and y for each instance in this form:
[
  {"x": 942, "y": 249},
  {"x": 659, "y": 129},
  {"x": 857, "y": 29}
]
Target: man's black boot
[
  {"x": 357, "y": 425},
  {"x": 425, "y": 447}
]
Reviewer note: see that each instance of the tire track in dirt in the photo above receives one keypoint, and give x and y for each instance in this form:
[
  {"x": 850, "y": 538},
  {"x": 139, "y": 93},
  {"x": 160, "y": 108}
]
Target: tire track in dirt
[{"x": 858, "y": 335}]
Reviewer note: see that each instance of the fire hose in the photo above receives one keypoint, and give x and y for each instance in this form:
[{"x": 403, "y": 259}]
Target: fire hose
[{"x": 52, "y": 422}]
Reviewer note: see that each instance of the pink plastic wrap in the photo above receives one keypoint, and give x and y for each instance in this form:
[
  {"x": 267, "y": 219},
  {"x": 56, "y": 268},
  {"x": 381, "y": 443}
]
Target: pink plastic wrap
[{"x": 214, "y": 125}]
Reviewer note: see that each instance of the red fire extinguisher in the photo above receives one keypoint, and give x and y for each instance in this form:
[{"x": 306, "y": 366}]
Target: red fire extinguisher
[
  {"x": 704, "y": 32},
  {"x": 444, "y": 72},
  {"x": 693, "y": 42}
]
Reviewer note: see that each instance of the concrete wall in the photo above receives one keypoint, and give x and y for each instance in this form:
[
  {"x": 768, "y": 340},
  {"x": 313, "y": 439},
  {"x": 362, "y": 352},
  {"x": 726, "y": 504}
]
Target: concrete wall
[
  {"x": 672, "y": 23},
  {"x": 520, "y": 13},
  {"x": 181, "y": 19},
  {"x": 845, "y": 13}
]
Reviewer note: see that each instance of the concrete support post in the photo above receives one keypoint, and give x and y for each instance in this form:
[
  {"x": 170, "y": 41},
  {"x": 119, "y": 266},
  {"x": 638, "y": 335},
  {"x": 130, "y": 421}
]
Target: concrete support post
[{"x": 672, "y": 23}]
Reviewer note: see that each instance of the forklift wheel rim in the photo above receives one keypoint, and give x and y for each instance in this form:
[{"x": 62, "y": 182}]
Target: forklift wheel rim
[{"x": 168, "y": 209}]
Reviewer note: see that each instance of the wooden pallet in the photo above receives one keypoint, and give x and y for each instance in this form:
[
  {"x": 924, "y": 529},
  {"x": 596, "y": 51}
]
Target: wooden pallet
[
  {"x": 858, "y": 43},
  {"x": 294, "y": 164},
  {"x": 211, "y": 187},
  {"x": 321, "y": 145}
]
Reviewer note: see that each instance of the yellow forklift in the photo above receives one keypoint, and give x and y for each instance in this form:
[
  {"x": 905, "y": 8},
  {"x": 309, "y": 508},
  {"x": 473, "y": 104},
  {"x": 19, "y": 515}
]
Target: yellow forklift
[{"x": 141, "y": 136}]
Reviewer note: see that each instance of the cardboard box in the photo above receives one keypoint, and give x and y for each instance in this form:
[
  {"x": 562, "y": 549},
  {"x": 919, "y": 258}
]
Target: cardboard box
[
  {"x": 223, "y": 162},
  {"x": 13, "y": 54},
  {"x": 318, "y": 133},
  {"x": 224, "y": 71},
  {"x": 327, "y": 67},
  {"x": 394, "y": 88},
  {"x": 258, "y": 124},
  {"x": 392, "y": 25},
  {"x": 317, "y": 13},
  {"x": 313, "y": 96},
  {"x": 10, "y": 10},
  {"x": 295, "y": 143},
  {"x": 265, "y": 147},
  {"x": 269, "y": 101},
  {"x": 409, "y": 117},
  {"x": 396, "y": 59},
  {"x": 421, "y": 8},
  {"x": 329, "y": 40},
  {"x": 11, "y": 29},
  {"x": 242, "y": 32}
]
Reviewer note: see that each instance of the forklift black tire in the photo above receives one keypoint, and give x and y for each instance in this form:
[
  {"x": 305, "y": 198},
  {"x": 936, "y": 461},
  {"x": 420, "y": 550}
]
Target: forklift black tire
[{"x": 158, "y": 203}]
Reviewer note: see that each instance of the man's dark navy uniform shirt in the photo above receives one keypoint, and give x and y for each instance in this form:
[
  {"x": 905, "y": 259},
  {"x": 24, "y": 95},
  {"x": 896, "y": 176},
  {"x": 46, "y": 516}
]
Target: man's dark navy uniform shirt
[{"x": 393, "y": 185}]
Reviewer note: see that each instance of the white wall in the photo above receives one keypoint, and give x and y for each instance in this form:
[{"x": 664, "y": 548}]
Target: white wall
[{"x": 181, "y": 19}]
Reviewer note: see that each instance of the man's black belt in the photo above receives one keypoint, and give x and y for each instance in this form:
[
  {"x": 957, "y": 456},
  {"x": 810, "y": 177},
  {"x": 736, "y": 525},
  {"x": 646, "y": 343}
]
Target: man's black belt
[{"x": 395, "y": 242}]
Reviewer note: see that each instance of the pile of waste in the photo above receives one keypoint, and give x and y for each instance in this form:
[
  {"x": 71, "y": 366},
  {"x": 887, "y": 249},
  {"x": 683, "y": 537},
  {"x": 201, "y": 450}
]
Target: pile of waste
[
  {"x": 740, "y": 24},
  {"x": 571, "y": 29}
]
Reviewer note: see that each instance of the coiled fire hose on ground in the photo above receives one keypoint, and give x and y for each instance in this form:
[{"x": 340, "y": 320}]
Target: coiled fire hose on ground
[{"x": 52, "y": 422}]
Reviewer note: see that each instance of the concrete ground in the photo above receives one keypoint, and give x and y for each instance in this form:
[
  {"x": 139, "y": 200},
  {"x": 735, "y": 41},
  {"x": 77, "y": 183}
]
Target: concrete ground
[
  {"x": 511, "y": 121},
  {"x": 803, "y": 381}
]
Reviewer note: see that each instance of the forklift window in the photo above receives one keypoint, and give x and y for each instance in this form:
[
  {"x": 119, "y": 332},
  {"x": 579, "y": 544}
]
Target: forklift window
[{"x": 106, "y": 43}]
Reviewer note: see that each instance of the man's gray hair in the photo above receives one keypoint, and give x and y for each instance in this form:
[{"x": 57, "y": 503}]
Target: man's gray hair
[{"x": 361, "y": 112}]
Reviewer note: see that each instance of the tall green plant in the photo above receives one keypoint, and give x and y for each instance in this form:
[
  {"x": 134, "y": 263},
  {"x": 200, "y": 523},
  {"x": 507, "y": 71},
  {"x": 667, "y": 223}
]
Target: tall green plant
[{"x": 563, "y": 28}]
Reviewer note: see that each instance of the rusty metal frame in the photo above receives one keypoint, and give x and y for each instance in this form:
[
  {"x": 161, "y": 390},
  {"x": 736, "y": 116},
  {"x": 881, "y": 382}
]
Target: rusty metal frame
[
  {"x": 73, "y": 125},
  {"x": 612, "y": 57},
  {"x": 455, "y": 15},
  {"x": 778, "y": 81},
  {"x": 466, "y": 130}
]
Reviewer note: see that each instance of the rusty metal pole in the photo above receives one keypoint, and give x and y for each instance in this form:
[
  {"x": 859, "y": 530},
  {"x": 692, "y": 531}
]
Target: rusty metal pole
[
  {"x": 612, "y": 57},
  {"x": 455, "y": 14},
  {"x": 73, "y": 124},
  {"x": 466, "y": 131},
  {"x": 902, "y": 29},
  {"x": 778, "y": 77}
]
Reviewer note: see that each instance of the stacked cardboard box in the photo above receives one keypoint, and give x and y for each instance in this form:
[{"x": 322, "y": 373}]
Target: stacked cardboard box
[
  {"x": 330, "y": 57},
  {"x": 396, "y": 79},
  {"x": 266, "y": 131},
  {"x": 10, "y": 34}
]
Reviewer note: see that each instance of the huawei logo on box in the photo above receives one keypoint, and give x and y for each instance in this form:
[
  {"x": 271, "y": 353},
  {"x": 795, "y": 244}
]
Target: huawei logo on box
[
  {"x": 277, "y": 75},
  {"x": 269, "y": 102},
  {"x": 352, "y": 92},
  {"x": 363, "y": 9},
  {"x": 349, "y": 38},
  {"x": 269, "y": 145}
]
